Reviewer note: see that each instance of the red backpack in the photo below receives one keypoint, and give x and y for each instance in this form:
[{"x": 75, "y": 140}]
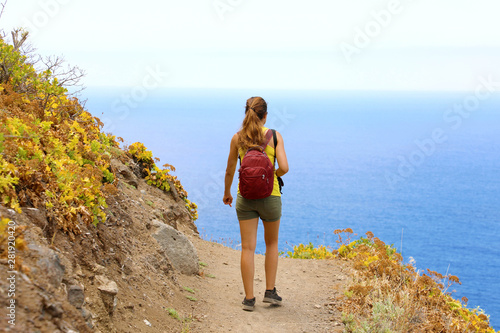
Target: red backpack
[{"x": 257, "y": 172}]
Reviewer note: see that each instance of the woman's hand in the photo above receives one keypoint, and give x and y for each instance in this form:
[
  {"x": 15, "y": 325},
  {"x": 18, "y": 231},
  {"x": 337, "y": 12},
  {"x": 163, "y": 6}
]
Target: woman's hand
[{"x": 228, "y": 199}]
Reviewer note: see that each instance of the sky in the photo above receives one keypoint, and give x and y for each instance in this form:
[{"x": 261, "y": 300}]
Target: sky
[{"x": 268, "y": 44}]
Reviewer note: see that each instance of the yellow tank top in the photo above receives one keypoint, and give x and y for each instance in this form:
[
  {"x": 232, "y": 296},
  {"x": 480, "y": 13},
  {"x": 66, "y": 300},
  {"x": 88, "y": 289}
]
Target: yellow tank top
[{"x": 270, "y": 151}]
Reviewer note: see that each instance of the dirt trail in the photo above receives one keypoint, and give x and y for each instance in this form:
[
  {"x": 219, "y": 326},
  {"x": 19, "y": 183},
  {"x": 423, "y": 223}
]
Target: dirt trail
[{"x": 309, "y": 289}]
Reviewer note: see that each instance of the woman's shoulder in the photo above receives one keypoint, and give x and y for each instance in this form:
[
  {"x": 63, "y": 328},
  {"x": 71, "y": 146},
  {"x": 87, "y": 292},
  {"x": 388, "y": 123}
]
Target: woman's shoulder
[
  {"x": 278, "y": 134},
  {"x": 265, "y": 129}
]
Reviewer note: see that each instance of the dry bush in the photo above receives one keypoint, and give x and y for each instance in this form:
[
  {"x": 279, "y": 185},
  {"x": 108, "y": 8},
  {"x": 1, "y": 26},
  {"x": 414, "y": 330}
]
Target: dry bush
[{"x": 387, "y": 295}]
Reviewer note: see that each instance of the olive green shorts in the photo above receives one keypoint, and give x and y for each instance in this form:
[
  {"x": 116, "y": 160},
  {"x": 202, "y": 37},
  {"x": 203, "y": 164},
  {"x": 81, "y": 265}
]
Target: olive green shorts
[{"x": 268, "y": 209}]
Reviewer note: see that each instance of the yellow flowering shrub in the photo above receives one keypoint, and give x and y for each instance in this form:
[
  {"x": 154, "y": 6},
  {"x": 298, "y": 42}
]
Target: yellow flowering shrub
[
  {"x": 302, "y": 251},
  {"x": 53, "y": 154},
  {"x": 160, "y": 178}
]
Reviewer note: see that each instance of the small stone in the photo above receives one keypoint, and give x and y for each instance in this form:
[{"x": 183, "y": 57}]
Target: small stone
[
  {"x": 98, "y": 269},
  {"x": 85, "y": 313},
  {"x": 128, "y": 266},
  {"x": 147, "y": 322},
  {"x": 109, "y": 290},
  {"x": 76, "y": 296},
  {"x": 55, "y": 310},
  {"x": 106, "y": 285},
  {"x": 317, "y": 306}
]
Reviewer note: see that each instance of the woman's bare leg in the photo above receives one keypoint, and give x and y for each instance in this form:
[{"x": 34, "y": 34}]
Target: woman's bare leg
[
  {"x": 271, "y": 230},
  {"x": 248, "y": 231}
]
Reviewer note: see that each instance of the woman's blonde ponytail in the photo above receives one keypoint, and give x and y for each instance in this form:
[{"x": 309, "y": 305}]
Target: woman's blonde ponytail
[{"x": 250, "y": 135}]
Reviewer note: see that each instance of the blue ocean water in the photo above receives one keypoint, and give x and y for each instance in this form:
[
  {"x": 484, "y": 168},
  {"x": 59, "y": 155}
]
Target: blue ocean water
[{"x": 421, "y": 170}]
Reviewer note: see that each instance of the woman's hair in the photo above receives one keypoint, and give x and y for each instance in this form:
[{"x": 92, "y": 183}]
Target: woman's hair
[{"x": 250, "y": 135}]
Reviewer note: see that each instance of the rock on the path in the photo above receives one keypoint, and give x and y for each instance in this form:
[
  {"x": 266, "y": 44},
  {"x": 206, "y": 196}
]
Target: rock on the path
[{"x": 178, "y": 248}]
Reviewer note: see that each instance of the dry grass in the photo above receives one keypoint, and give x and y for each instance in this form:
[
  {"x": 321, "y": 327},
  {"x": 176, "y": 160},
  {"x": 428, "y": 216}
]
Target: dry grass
[{"x": 386, "y": 295}]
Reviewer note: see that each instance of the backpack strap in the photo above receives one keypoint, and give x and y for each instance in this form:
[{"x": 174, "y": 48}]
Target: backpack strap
[
  {"x": 280, "y": 181},
  {"x": 267, "y": 138},
  {"x": 275, "y": 138}
]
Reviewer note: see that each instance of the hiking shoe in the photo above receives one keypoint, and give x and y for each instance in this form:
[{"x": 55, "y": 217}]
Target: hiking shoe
[
  {"x": 248, "y": 304},
  {"x": 271, "y": 296}
]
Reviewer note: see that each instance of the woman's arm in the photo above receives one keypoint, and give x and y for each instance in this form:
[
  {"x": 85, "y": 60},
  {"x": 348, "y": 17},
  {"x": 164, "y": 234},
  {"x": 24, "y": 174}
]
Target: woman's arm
[
  {"x": 232, "y": 162},
  {"x": 281, "y": 156}
]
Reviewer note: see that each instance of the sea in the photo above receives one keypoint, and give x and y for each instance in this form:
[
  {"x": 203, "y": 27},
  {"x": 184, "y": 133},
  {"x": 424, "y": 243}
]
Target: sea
[{"x": 421, "y": 170}]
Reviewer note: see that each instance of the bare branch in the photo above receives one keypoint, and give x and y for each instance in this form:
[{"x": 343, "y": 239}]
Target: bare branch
[
  {"x": 52, "y": 69},
  {"x": 18, "y": 41},
  {"x": 52, "y": 63},
  {"x": 67, "y": 76},
  {"x": 3, "y": 8}
]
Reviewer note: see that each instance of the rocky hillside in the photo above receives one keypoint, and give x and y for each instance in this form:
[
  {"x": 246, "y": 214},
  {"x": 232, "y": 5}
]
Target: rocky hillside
[
  {"x": 114, "y": 277},
  {"x": 92, "y": 236}
]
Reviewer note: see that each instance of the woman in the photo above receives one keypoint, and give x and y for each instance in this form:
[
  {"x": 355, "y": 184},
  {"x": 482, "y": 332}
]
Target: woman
[{"x": 252, "y": 135}]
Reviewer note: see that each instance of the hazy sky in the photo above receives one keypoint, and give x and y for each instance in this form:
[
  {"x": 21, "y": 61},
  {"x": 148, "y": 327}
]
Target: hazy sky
[{"x": 319, "y": 44}]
